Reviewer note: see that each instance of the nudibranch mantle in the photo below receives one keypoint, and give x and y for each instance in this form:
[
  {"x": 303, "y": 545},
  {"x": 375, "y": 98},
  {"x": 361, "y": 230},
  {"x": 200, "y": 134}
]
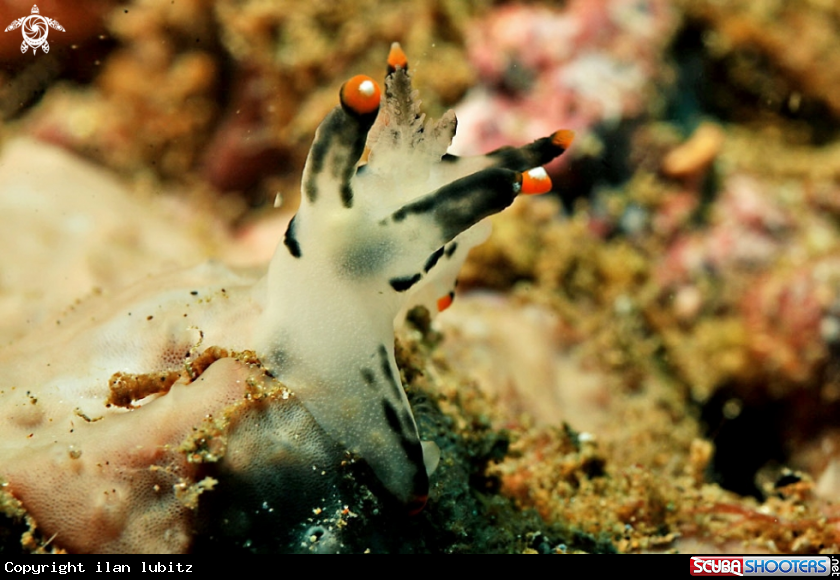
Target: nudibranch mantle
[{"x": 368, "y": 243}]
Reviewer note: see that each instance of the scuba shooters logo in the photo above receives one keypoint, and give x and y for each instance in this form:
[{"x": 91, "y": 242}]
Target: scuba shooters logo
[
  {"x": 717, "y": 566},
  {"x": 765, "y": 566},
  {"x": 35, "y": 29}
]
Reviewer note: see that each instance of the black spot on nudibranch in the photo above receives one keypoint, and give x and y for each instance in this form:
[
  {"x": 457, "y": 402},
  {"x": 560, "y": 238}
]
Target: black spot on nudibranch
[
  {"x": 290, "y": 240},
  {"x": 450, "y": 249},
  {"x": 365, "y": 257},
  {"x": 433, "y": 259},
  {"x": 310, "y": 189},
  {"x": 403, "y": 283},
  {"x": 368, "y": 376}
]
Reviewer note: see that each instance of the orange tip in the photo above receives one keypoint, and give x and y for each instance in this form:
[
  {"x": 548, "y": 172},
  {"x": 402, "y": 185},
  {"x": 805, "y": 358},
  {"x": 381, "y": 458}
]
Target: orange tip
[
  {"x": 535, "y": 181},
  {"x": 361, "y": 95},
  {"x": 396, "y": 58},
  {"x": 445, "y": 302},
  {"x": 563, "y": 138}
]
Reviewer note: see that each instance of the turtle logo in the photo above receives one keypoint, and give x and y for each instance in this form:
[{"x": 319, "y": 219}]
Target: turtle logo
[{"x": 35, "y": 30}]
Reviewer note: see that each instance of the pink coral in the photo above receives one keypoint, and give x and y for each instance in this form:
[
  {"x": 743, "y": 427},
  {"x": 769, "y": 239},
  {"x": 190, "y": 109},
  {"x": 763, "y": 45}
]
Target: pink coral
[{"x": 576, "y": 66}]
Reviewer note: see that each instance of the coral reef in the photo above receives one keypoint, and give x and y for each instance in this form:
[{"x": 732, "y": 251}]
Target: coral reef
[
  {"x": 584, "y": 65},
  {"x": 761, "y": 48},
  {"x": 153, "y": 104},
  {"x": 650, "y": 362}
]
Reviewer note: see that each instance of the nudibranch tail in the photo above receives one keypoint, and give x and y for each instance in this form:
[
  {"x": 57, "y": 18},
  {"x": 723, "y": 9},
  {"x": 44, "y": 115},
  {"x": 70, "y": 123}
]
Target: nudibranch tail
[{"x": 371, "y": 242}]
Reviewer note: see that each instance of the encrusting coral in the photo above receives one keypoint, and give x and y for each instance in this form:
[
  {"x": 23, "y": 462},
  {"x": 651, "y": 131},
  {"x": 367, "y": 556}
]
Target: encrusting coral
[{"x": 171, "y": 395}]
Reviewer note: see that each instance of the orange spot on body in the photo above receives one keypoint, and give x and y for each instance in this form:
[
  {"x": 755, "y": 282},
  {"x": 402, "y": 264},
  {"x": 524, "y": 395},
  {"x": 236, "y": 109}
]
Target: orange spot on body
[
  {"x": 445, "y": 302},
  {"x": 361, "y": 94}
]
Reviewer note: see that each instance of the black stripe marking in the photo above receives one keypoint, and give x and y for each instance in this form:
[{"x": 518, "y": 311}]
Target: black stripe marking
[
  {"x": 403, "y": 283},
  {"x": 320, "y": 147},
  {"x": 339, "y": 143},
  {"x": 422, "y": 205},
  {"x": 537, "y": 153},
  {"x": 346, "y": 193},
  {"x": 290, "y": 240},
  {"x": 396, "y": 385},
  {"x": 402, "y": 423},
  {"x": 450, "y": 249},
  {"x": 421, "y": 478},
  {"x": 317, "y": 155},
  {"x": 466, "y": 201},
  {"x": 412, "y": 449},
  {"x": 310, "y": 189},
  {"x": 510, "y": 157},
  {"x": 433, "y": 259},
  {"x": 391, "y": 417}
]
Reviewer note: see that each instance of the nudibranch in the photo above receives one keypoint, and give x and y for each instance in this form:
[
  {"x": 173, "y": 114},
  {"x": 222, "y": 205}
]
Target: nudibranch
[
  {"x": 256, "y": 393},
  {"x": 369, "y": 242}
]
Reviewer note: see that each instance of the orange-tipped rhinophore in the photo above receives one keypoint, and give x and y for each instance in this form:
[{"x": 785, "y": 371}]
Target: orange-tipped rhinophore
[
  {"x": 361, "y": 95},
  {"x": 535, "y": 181},
  {"x": 563, "y": 138},
  {"x": 397, "y": 58}
]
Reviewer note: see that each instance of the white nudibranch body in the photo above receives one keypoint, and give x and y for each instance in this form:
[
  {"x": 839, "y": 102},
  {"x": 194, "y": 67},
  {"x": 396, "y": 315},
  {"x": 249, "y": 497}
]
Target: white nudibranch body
[
  {"x": 368, "y": 243},
  {"x": 115, "y": 421}
]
